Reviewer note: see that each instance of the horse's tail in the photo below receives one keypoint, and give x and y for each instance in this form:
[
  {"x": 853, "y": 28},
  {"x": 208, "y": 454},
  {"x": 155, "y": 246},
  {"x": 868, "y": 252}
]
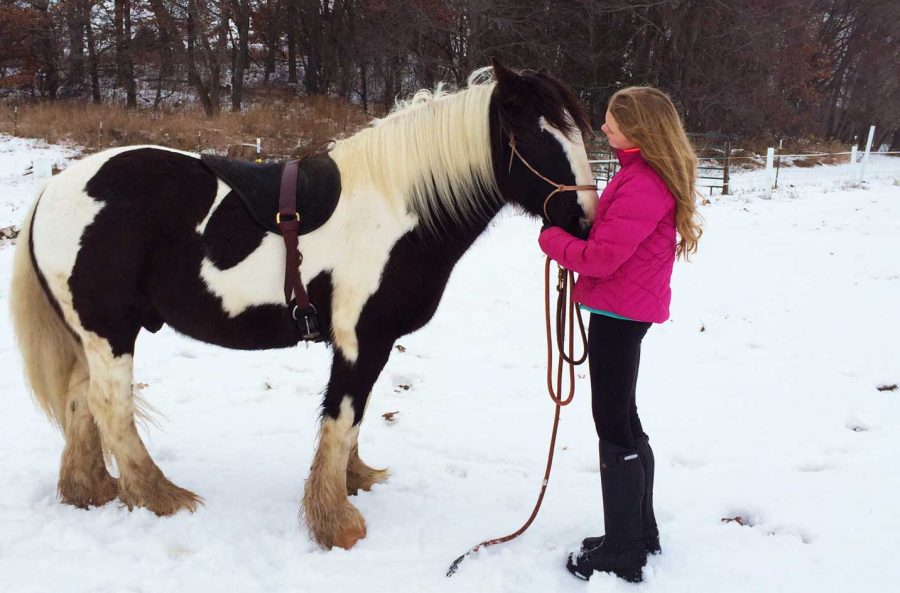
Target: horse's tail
[{"x": 50, "y": 350}]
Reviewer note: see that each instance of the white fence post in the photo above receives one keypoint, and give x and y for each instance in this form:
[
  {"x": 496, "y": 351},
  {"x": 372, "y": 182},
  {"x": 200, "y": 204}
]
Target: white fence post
[
  {"x": 770, "y": 169},
  {"x": 865, "y": 158},
  {"x": 41, "y": 169}
]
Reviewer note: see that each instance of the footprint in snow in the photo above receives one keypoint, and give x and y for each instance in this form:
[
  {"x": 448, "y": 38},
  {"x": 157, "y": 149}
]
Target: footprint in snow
[
  {"x": 814, "y": 467},
  {"x": 857, "y": 426}
]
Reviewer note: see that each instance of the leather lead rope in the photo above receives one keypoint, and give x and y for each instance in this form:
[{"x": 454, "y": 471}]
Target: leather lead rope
[{"x": 564, "y": 279}]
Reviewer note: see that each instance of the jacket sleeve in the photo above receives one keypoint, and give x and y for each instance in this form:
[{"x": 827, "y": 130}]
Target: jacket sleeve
[{"x": 636, "y": 210}]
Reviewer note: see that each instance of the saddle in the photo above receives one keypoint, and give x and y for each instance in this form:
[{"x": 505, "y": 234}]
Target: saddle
[
  {"x": 258, "y": 187},
  {"x": 290, "y": 199}
]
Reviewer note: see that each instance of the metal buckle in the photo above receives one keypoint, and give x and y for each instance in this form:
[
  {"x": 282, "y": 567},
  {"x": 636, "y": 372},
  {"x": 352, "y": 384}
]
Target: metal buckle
[
  {"x": 307, "y": 320},
  {"x": 278, "y": 217}
]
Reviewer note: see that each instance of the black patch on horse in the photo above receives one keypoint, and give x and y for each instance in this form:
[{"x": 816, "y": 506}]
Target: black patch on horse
[
  {"x": 258, "y": 186},
  {"x": 531, "y": 95},
  {"x": 152, "y": 198},
  {"x": 223, "y": 246},
  {"x": 139, "y": 261}
]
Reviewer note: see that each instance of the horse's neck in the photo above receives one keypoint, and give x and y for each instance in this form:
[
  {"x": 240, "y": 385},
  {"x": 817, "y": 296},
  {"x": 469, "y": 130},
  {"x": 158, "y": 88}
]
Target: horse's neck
[{"x": 453, "y": 240}]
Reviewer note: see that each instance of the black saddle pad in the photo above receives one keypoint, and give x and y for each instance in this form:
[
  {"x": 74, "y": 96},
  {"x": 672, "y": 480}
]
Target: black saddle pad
[{"x": 258, "y": 185}]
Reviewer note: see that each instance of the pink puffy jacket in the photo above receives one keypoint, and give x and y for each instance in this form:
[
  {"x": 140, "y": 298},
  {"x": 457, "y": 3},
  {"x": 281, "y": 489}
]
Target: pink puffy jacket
[{"x": 625, "y": 265}]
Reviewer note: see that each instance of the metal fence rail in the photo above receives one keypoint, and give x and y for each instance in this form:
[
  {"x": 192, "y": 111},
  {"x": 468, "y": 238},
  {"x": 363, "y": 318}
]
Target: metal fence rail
[
  {"x": 710, "y": 149},
  {"x": 715, "y": 159}
]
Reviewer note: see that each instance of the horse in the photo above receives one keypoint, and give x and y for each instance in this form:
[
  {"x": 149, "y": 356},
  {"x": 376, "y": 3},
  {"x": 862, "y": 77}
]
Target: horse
[{"x": 136, "y": 237}]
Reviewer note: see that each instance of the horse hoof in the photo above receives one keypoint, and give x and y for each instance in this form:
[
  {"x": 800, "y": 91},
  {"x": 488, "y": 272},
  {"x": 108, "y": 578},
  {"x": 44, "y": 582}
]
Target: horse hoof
[
  {"x": 348, "y": 539},
  {"x": 88, "y": 494},
  {"x": 157, "y": 494},
  {"x": 330, "y": 527}
]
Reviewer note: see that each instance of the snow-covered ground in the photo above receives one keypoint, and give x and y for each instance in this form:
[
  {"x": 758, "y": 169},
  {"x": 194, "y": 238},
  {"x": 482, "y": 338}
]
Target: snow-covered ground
[{"x": 760, "y": 396}]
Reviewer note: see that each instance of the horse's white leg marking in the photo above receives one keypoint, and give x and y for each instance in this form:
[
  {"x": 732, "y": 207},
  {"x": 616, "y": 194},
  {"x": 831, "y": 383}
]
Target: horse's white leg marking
[
  {"x": 332, "y": 520},
  {"x": 83, "y": 478},
  {"x": 359, "y": 475},
  {"x": 141, "y": 483},
  {"x": 577, "y": 155}
]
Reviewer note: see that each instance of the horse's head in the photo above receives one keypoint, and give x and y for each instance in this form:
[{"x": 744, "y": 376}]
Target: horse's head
[{"x": 537, "y": 136}]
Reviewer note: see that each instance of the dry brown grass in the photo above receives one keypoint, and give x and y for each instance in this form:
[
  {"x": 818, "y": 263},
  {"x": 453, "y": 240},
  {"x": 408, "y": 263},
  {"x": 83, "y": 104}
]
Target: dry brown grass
[
  {"x": 792, "y": 145},
  {"x": 797, "y": 146},
  {"x": 285, "y": 126}
]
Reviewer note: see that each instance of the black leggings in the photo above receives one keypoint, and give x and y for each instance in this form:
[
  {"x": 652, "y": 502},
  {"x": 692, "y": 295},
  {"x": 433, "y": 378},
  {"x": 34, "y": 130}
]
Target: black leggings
[{"x": 614, "y": 347}]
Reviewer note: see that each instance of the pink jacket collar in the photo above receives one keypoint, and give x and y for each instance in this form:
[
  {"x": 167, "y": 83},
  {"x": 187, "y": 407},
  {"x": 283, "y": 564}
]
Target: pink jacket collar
[{"x": 626, "y": 157}]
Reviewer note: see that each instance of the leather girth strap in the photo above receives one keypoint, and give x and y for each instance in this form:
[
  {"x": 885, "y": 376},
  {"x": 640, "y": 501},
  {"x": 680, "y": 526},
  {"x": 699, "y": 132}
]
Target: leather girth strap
[
  {"x": 288, "y": 220},
  {"x": 302, "y": 310}
]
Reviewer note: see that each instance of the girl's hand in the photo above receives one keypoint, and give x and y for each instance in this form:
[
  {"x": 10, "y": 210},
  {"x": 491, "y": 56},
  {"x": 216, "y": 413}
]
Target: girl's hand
[{"x": 547, "y": 232}]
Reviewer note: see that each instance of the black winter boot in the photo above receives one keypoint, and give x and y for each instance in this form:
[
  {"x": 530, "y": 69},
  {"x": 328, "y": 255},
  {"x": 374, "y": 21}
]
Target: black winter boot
[
  {"x": 622, "y": 550},
  {"x": 651, "y": 532}
]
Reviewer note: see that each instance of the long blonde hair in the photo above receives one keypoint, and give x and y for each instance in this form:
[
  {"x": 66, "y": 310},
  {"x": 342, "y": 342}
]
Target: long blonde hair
[{"x": 647, "y": 117}]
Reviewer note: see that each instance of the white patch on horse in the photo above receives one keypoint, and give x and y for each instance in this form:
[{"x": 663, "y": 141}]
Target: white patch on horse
[
  {"x": 222, "y": 191},
  {"x": 60, "y": 218},
  {"x": 257, "y": 280},
  {"x": 354, "y": 246},
  {"x": 578, "y": 160}
]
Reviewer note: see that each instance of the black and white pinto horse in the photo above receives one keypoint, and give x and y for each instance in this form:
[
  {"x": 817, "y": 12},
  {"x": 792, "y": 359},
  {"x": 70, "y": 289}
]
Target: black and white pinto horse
[{"x": 138, "y": 237}]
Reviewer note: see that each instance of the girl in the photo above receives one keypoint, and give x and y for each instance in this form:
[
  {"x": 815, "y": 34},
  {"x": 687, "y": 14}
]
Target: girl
[{"x": 624, "y": 270}]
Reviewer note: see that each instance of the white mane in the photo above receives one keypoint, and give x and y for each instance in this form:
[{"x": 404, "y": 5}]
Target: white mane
[{"x": 431, "y": 154}]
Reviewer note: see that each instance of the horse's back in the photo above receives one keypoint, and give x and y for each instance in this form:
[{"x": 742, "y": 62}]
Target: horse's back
[
  {"x": 123, "y": 234},
  {"x": 112, "y": 200}
]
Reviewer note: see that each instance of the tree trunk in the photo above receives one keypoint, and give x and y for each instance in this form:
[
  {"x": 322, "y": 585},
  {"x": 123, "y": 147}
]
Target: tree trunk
[
  {"x": 193, "y": 76},
  {"x": 75, "y": 25},
  {"x": 125, "y": 67},
  {"x": 292, "y": 40},
  {"x": 312, "y": 34},
  {"x": 168, "y": 36},
  {"x": 50, "y": 83},
  {"x": 87, "y": 5},
  {"x": 274, "y": 7},
  {"x": 241, "y": 59},
  {"x": 130, "y": 88},
  {"x": 214, "y": 57},
  {"x": 364, "y": 87}
]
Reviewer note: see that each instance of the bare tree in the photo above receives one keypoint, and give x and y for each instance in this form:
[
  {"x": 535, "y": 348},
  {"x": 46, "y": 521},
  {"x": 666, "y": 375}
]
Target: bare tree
[
  {"x": 124, "y": 64},
  {"x": 75, "y": 18},
  {"x": 240, "y": 53}
]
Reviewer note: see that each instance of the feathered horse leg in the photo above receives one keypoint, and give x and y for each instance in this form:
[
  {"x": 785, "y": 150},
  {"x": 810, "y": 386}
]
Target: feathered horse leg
[{"x": 336, "y": 466}]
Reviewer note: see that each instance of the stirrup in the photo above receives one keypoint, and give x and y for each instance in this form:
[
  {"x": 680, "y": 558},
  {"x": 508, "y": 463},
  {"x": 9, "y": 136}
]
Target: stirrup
[{"x": 307, "y": 320}]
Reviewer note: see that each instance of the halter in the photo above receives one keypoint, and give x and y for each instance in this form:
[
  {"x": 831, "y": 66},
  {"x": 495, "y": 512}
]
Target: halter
[{"x": 559, "y": 186}]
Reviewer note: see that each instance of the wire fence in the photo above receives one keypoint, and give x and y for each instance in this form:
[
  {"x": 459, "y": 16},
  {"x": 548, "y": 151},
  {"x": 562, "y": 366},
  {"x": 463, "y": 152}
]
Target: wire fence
[{"x": 722, "y": 169}]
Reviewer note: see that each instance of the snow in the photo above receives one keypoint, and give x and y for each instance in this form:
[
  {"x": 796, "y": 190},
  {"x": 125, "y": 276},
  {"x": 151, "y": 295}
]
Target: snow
[
  {"x": 760, "y": 396},
  {"x": 17, "y": 157}
]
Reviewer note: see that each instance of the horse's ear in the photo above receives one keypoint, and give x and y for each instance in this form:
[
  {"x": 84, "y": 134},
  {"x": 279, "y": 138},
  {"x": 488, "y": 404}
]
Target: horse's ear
[{"x": 509, "y": 82}]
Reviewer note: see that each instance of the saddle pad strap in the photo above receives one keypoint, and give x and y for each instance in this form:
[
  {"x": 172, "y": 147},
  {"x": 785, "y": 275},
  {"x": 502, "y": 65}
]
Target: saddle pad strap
[{"x": 288, "y": 221}]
